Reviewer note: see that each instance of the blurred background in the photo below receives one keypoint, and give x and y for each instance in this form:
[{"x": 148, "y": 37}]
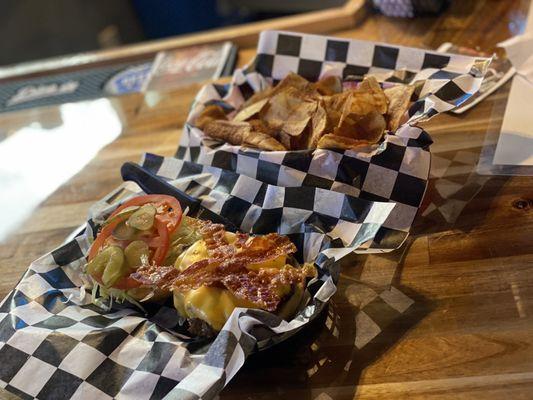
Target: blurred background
[{"x": 72, "y": 26}]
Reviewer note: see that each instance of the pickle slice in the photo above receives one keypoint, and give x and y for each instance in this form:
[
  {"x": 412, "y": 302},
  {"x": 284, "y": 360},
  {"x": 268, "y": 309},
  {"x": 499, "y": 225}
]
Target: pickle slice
[
  {"x": 122, "y": 215},
  {"x": 124, "y": 232},
  {"x": 97, "y": 265},
  {"x": 137, "y": 253},
  {"x": 108, "y": 263},
  {"x": 115, "y": 267},
  {"x": 143, "y": 218}
]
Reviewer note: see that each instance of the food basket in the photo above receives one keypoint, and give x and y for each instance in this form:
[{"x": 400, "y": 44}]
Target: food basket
[{"x": 396, "y": 170}]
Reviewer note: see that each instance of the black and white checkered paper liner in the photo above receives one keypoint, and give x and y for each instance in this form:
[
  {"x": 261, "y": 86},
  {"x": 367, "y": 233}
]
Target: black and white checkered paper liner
[
  {"x": 56, "y": 344},
  {"x": 394, "y": 171}
]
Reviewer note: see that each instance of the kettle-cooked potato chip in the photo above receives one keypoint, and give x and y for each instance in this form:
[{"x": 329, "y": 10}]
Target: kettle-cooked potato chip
[
  {"x": 297, "y": 114},
  {"x": 229, "y": 131},
  {"x": 334, "y": 106},
  {"x": 294, "y": 142},
  {"x": 297, "y": 82},
  {"x": 371, "y": 127},
  {"x": 368, "y": 127},
  {"x": 289, "y": 111},
  {"x": 248, "y": 112},
  {"x": 331, "y": 141},
  {"x": 329, "y": 85},
  {"x": 258, "y": 96},
  {"x": 318, "y": 126},
  {"x": 258, "y": 125},
  {"x": 362, "y": 101},
  {"x": 209, "y": 113},
  {"x": 371, "y": 86},
  {"x": 239, "y": 133},
  {"x": 399, "y": 97},
  {"x": 263, "y": 141}
]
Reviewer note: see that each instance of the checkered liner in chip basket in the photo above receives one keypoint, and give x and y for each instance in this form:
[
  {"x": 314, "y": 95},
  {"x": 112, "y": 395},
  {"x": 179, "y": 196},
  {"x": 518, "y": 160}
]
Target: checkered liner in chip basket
[{"x": 394, "y": 171}]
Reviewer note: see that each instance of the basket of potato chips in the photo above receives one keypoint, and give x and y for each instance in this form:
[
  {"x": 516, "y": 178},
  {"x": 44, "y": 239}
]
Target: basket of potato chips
[{"x": 332, "y": 113}]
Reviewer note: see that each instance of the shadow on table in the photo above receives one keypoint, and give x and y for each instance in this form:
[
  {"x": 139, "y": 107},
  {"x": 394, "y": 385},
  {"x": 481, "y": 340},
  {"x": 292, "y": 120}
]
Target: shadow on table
[
  {"x": 463, "y": 211},
  {"x": 326, "y": 359},
  {"x": 457, "y": 197}
]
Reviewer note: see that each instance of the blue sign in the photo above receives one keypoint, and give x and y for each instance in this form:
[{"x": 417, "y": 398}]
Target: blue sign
[{"x": 129, "y": 80}]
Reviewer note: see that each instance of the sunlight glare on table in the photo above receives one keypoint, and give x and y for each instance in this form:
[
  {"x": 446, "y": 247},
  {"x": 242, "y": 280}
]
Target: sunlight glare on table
[{"x": 35, "y": 161}]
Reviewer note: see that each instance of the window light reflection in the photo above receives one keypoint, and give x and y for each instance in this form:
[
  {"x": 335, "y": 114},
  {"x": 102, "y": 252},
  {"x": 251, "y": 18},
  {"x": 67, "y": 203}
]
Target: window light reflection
[{"x": 35, "y": 161}]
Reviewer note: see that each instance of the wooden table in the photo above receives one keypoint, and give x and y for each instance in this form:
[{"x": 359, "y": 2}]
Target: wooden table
[{"x": 470, "y": 331}]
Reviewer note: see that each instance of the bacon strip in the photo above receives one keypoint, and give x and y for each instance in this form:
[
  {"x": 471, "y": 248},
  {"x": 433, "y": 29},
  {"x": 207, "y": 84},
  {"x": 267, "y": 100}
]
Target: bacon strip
[
  {"x": 226, "y": 268},
  {"x": 153, "y": 275},
  {"x": 263, "y": 288},
  {"x": 214, "y": 236},
  {"x": 258, "y": 249}
]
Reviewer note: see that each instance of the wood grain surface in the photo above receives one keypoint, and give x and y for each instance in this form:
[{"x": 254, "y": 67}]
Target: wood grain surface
[{"x": 468, "y": 266}]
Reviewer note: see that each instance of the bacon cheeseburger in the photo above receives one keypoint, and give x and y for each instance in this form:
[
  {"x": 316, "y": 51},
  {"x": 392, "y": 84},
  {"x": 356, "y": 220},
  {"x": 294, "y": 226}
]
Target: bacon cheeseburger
[{"x": 208, "y": 271}]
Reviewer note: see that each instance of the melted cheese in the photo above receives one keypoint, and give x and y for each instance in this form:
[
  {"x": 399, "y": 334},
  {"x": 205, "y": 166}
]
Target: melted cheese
[
  {"x": 277, "y": 263},
  {"x": 210, "y": 304},
  {"x": 197, "y": 252}
]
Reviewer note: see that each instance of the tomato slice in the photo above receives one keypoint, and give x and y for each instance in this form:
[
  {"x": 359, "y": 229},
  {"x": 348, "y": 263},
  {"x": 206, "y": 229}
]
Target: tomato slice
[
  {"x": 169, "y": 212},
  {"x": 101, "y": 238},
  {"x": 167, "y": 219}
]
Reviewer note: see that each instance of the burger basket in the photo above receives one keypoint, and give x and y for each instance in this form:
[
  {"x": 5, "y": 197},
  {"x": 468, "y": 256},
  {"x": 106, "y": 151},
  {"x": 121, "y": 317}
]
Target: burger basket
[{"x": 55, "y": 343}]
